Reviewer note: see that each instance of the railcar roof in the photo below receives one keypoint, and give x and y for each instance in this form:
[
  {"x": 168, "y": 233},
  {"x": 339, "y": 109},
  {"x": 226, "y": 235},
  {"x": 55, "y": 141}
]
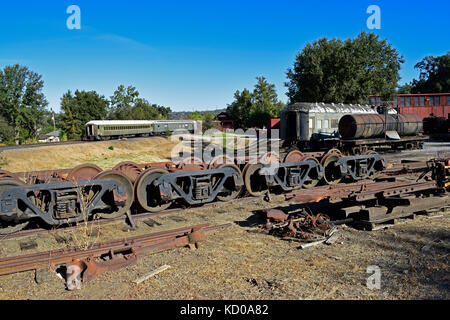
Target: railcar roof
[
  {"x": 331, "y": 107},
  {"x": 131, "y": 122}
]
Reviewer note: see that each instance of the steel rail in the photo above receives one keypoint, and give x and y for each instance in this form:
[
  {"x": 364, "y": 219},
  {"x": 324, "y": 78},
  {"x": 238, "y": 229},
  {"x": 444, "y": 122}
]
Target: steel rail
[{"x": 139, "y": 244}]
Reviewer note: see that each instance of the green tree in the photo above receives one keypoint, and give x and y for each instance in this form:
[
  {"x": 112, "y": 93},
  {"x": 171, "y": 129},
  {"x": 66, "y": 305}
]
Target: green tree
[
  {"x": 127, "y": 105},
  {"x": 254, "y": 109},
  {"x": 81, "y": 108},
  {"x": 434, "y": 75},
  {"x": 405, "y": 89},
  {"x": 344, "y": 71},
  {"x": 265, "y": 104},
  {"x": 240, "y": 109},
  {"x": 197, "y": 115},
  {"x": 22, "y": 102}
]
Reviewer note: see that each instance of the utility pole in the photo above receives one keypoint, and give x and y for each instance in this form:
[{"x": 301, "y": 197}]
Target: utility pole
[{"x": 53, "y": 118}]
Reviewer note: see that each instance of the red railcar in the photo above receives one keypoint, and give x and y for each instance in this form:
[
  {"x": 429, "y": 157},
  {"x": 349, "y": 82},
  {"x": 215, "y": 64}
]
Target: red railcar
[{"x": 424, "y": 104}]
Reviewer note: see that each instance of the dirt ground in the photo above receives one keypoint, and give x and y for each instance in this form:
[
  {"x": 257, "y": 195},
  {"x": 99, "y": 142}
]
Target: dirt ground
[{"x": 240, "y": 263}]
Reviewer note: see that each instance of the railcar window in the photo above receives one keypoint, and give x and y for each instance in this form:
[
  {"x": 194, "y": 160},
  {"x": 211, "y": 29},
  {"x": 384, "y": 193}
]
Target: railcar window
[
  {"x": 408, "y": 101},
  {"x": 422, "y": 101},
  {"x": 448, "y": 100},
  {"x": 319, "y": 124},
  {"x": 437, "y": 100},
  {"x": 334, "y": 123},
  {"x": 378, "y": 100},
  {"x": 402, "y": 101},
  {"x": 416, "y": 101},
  {"x": 325, "y": 124},
  {"x": 430, "y": 101}
]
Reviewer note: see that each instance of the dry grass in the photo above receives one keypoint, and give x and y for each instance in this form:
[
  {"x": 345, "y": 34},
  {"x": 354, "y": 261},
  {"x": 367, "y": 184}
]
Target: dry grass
[{"x": 61, "y": 157}]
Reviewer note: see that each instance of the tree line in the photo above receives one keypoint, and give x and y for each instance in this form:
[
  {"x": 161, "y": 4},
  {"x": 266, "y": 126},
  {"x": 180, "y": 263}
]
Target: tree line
[{"x": 325, "y": 70}]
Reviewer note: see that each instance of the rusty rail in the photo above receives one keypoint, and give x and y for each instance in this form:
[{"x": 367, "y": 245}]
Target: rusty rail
[{"x": 131, "y": 248}]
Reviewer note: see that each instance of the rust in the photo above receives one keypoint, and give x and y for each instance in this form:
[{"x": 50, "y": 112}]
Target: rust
[{"x": 124, "y": 249}]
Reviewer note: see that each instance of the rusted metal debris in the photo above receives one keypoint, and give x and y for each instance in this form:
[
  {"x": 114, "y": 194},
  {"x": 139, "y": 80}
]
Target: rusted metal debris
[
  {"x": 84, "y": 264},
  {"x": 299, "y": 226}
]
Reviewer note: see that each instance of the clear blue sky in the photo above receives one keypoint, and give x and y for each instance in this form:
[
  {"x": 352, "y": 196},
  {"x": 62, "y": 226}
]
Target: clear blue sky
[{"x": 196, "y": 54}]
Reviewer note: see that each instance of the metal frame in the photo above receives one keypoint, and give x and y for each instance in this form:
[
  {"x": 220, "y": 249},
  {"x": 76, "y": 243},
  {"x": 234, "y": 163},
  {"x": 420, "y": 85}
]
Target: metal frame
[
  {"x": 9, "y": 199},
  {"x": 170, "y": 190},
  {"x": 360, "y": 167},
  {"x": 299, "y": 170}
]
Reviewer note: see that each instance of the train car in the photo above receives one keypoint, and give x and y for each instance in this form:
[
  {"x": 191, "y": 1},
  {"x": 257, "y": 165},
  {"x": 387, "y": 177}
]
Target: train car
[
  {"x": 316, "y": 126},
  {"x": 437, "y": 128},
  {"x": 112, "y": 129},
  {"x": 424, "y": 105}
]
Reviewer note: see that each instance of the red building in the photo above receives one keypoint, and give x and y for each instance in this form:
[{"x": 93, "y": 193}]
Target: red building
[
  {"x": 224, "y": 121},
  {"x": 424, "y": 104}
]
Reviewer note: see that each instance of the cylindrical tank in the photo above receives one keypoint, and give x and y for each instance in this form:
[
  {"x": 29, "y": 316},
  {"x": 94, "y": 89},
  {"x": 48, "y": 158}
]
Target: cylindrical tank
[{"x": 364, "y": 126}]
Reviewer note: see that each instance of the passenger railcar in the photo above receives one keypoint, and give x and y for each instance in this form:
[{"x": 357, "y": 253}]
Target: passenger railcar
[{"x": 105, "y": 129}]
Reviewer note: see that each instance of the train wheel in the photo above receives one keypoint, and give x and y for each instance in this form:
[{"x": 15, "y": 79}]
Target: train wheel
[
  {"x": 232, "y": 191},
  {"x": 313, "y": 176},
  {"x": 270, "y": 158},
  {"x": 254, "y": 183},
  {"x": 332, "y": 173},
  {"x": 191, "y": 164},
  {"x": 7, "y": 174},
  {"x": 219, "y": 161},
  {"x": 6, "y": 228},
  {"x": 145, "y": 187},
  {"x": 130, "y": 169},
  {"x": 84, "y": 172},
  {"x": 294, "y": 156},
  {"x": 126, "y": 186}
]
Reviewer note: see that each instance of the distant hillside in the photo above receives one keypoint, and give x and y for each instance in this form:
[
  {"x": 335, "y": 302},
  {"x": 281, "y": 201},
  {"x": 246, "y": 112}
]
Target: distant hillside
[{"x": 185, "y": 114}]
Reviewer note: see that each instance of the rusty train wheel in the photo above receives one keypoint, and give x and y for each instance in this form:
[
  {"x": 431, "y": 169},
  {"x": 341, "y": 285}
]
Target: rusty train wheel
[
  {"x": 145, "y": 187},
  {"x": 219, "y": 161},
  {"x": 126, "y": 186},
  {"x": 130, "y": 169},
  {"x": 233, "y": 190},
  {"x": 84, "y": 172},
  {"x": 191, "y": 164},
  {"x": 270, "y": 158},
  {"x": 7, "y": 228},
  {"x": 7, "y": 174},
  {"x": 254, "y": 183},
  {"x": 314, "y": 178},
  {"x": 332, "y": 173},
  {"x": 294, "y": 156}
]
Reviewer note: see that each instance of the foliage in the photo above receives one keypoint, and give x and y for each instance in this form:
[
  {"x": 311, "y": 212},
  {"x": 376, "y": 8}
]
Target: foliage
[
  {"x": 344, "y": 71},
  {"x": 404, "y": 89},
  {"x": 22, "y": 103},
  {"x": 126, "y": 105},
  {"x": 434, "y": 75},
  {"x": 79, "y": 109},
  {"x": 254, "y": 109}
]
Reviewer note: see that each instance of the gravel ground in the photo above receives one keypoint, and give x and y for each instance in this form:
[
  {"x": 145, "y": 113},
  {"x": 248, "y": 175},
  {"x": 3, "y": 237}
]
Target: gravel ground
[{"x": 239, "y": 263}]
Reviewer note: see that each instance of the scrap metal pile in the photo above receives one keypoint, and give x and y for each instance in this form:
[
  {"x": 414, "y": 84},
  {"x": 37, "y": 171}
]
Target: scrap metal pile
[
  {"x": 61, "y": 197},
  {"x": 304, "y": 226}
]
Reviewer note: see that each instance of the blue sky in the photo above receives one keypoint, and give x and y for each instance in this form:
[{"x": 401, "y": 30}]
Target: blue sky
[{"x": 195, "y": 54}]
